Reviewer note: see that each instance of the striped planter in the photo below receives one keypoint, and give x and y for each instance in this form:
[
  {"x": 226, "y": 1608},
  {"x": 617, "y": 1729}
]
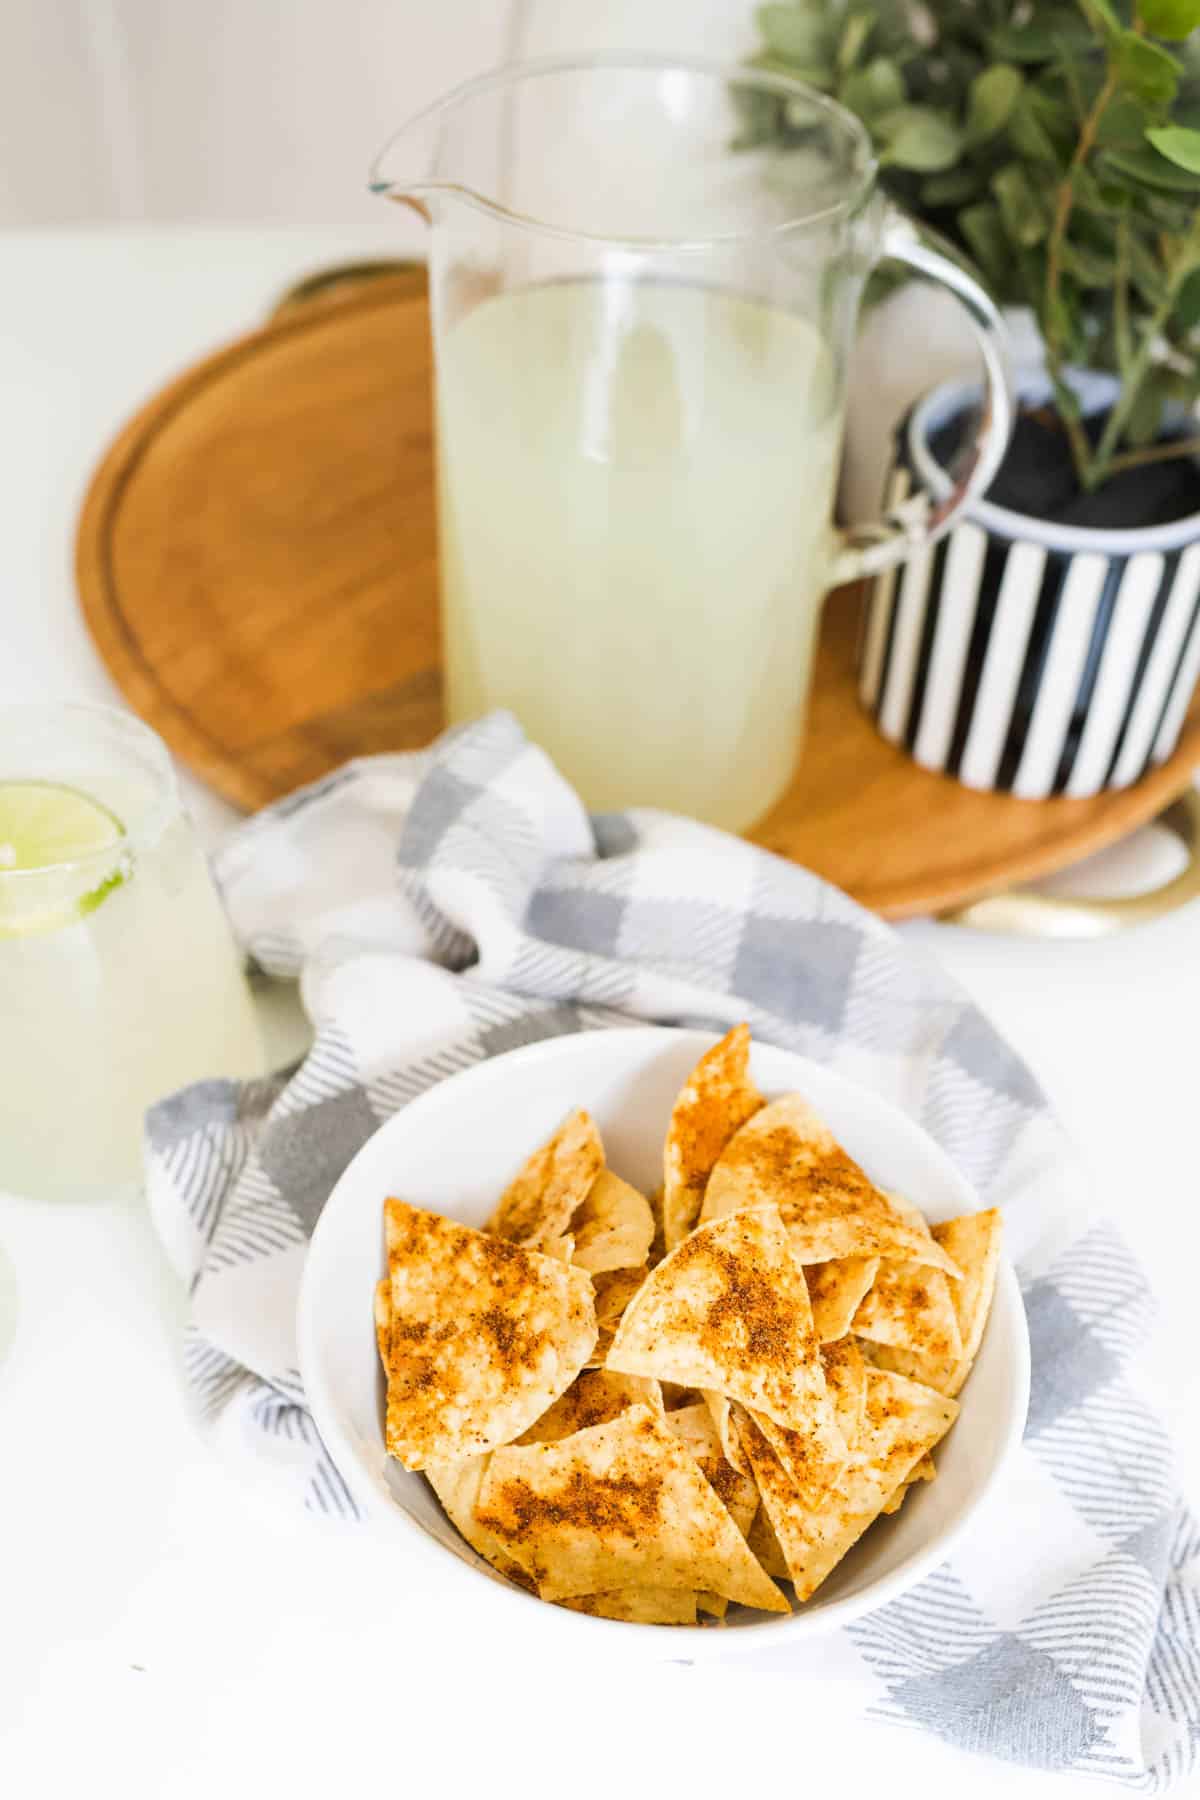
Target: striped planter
[{"x": 1028, "y": 657}]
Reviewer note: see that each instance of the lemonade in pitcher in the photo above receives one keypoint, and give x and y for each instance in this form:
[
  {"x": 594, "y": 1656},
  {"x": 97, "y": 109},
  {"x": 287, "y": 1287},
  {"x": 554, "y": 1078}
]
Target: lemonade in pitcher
[
  {"x": 119, "y": 980},
  {"x": 635, "y": 545}
]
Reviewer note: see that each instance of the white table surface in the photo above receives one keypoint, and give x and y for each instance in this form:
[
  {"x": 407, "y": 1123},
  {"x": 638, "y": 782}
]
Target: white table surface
[{"x": 162, "y": 1633}]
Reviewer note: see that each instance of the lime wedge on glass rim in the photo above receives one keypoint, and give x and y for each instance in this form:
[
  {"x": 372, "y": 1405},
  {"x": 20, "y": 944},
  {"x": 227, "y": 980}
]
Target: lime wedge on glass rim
[{"x": 57, "y": 836}]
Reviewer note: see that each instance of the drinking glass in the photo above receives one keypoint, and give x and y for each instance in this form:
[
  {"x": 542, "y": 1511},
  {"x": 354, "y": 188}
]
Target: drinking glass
[
  {"x": 645, "y": 274},
  {"x": 119, "y": 979}
]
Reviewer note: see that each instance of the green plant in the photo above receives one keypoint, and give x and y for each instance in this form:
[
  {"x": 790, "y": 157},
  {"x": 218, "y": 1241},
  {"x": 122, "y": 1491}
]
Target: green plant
[{"x": 1058, "y": 146}]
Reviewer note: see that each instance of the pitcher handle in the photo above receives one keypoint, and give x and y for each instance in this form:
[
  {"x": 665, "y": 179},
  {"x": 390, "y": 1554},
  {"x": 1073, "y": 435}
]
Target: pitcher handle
[{"x": 923, "y": 517}]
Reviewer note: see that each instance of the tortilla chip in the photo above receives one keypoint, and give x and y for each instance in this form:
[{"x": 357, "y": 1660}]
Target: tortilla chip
[
  {"x": 910, "y": 1308},
  {"x": 562, "y": 1249},
  {"x": 901, "y": 1423},
  {"x": 383, "y": 1319},
  {"x": 457, "y": 1487},
  {"x": 835, "y": 1289},
  {"x": 975, "y": 1237},
  {"x": 786, "y": 1156},
  {"x": 716, "y": 1604},
  {"x": 614, "y": 1290},
  {"x": 846, "y": 1380},
  {"x": 974, "y": 1242},
  {"x": 593, "y": 1398},
  {"x": 765, "y": 1545},
  {"x": 694, "y": 1428},
  {"x": 618, "y": 1506},
  {"x": 639, "y": 1606},
  {"x": 613, "y": 1226},
  {"x": 537, "y": 1204},
  {"x": 718, "y": 1411},
  {"x": 924, "y": 1471},
  {"x": 717, "y": 1097},
  {"x": 484, "y": 1336},
  {"x": 728, "y": 1309}
]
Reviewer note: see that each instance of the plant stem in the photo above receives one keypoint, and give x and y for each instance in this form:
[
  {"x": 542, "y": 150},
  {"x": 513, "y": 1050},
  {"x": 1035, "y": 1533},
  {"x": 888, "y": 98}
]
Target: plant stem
[
  {"x": 1154, "y": 453},
  {"x": 1121, "y": 331},
  {"x": 1064, "y": 201},
  {"x": 1140, "y": 363}
]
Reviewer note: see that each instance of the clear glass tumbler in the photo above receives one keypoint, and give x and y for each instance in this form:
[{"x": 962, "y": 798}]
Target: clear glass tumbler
[{"x": 119, "y": 978}]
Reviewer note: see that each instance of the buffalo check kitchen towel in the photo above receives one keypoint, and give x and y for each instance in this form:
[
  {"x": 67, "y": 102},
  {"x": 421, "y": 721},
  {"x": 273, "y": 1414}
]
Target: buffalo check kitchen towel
[{"x": 444, "y": 906}]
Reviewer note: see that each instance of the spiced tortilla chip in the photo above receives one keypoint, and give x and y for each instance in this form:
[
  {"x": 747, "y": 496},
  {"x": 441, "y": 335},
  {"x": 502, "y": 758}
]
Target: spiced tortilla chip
[
  {"x": 613, "y": 1226},
  {"x": 537, "y": 1204},
  {"x": 717, "y": 1097},
  {"x": 765, "y": 1545},
  {"x": 718, "y": 1411},
  {"x": 484, "y": 1335},
  {"x": 638, "y": 1606},
  {"x": 924, "y": 1471},
  {"x": 383, "y": 1319},
  {"x": 846, "y": 1380},
  {"x": 593, "y": 1398},
  {"x": 974, "y": 1242},
  {"x": 835, "y": 1289},
  {"x": 457, "y": 1487},
  {"x": 901, "y": 1423},
  {"x": 613, "y": 1291},
  {"x": 695, "y": 1430},
  {"x": 910, "y": 1307},
  {"x": 622, "y": 1505},
  {"x": 786, "y": 1156},
  {"x": 728, "y": 1309}
]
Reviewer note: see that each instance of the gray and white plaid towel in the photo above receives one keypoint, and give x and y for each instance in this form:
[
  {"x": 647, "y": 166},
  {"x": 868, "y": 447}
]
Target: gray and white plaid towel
[{"x": 441, "y": 907}]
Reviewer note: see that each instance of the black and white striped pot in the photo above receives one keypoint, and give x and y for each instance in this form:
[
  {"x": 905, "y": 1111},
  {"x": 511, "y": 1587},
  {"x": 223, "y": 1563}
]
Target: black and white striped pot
[{"x": 1029, "y": 657}]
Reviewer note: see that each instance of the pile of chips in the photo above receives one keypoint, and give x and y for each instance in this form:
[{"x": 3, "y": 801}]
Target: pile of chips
[{"x": 648, "y": 1408}]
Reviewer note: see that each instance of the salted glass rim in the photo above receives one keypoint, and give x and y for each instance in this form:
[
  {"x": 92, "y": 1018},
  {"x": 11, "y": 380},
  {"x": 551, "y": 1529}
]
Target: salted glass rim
[
  {"x": 153, "y": 760},
  {"x": 860, "y": 180}
]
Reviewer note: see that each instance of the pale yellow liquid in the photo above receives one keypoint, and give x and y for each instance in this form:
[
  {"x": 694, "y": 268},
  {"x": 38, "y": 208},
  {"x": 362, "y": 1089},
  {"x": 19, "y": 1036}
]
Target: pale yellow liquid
[
  {"x": 101, "y": 1016},
  {"x": 636, "y": 487}
]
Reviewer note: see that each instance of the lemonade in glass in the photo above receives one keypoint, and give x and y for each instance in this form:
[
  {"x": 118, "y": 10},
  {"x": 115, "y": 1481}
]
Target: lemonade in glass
[{"x": 119, "y": 978}]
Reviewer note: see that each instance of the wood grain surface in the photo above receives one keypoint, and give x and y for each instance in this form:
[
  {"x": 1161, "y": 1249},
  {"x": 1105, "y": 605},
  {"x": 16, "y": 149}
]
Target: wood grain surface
[{"x": 257, "y": 563}]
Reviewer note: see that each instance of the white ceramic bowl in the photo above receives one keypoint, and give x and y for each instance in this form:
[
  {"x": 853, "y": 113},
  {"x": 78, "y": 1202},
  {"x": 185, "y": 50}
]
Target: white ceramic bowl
[{"x": 453, "y": 1150}]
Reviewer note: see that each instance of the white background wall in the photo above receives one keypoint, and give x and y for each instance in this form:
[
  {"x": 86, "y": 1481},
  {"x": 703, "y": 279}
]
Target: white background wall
[{"x": 265, "y": 110}]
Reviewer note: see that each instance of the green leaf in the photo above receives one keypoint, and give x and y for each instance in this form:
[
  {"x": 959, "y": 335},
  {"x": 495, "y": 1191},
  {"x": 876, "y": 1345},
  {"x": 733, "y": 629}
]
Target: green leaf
[
  {"x": 1175, "y": 19},
  {"x": 1028, "y": 135},
  {"x": 1135, "y": 169},
  {"x": 1146, "y": 69},
  {"x": 795, "y": 34},
  {"x": 878, "y": 87},
  {"x": 920, "y": 138},
  {"x": 1103, "y": 15},
  {"x": 1186, "y": 313},
  {"x": 1179, "y": 145},
  {"x": 1023, "y": 214},
  {"x": 1146, "y": 271},
  {"x": 857, "y": 30},
  {"x": 1143, "y": 421},
  {"x": 991, "y": 99},
  {"x": 952, "y": 188},
  {"x": 983, "y": 231},
  {"x": 1058, "y": 31},
  {"x": 1123, "y": 123},
  {"x": 1091, "y": 197},
  {"x": 1091, "y": 268}
]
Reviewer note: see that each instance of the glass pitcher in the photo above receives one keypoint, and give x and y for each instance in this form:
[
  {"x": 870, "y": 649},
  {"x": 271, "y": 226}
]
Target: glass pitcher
[{"x": 645, "y": 274}]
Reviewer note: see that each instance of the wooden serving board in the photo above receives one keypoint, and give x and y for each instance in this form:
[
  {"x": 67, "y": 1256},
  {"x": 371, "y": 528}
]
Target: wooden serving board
[{"x": 257, "y": 563}]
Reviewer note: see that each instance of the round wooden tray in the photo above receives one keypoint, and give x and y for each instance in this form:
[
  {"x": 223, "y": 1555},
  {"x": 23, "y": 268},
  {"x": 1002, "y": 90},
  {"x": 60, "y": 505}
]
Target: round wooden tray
[{"x": 258, "y": 566}]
